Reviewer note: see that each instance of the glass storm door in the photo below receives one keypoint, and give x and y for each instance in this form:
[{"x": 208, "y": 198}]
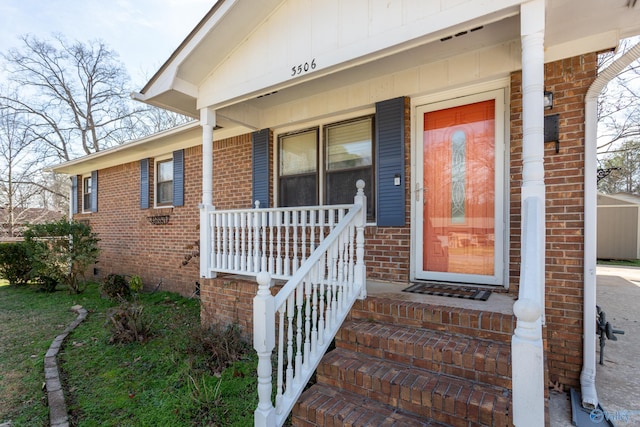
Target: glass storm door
[{"x": 460, "y": 235}]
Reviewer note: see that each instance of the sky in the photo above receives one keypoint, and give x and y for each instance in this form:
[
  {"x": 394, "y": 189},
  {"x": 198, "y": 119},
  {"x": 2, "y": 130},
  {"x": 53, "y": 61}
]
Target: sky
[{"x": 143, "y": 32}]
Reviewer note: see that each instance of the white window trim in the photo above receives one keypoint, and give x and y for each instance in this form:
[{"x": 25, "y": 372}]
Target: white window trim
[
  {"x": 81, "y": 186},
  {"x": 157, "y": 160},
  {"x": 320, "y": 123}
]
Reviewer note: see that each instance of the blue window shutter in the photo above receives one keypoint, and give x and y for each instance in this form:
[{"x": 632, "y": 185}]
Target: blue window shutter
[
  {"x": 94, "y": 191},
  {"x": 144, "y": 184},
  {"x": 178, "y": 178},
  {"x": 74, "y": 194},
  {"x": 390, "y": 121},
  {"x": 260, "y": 161}
]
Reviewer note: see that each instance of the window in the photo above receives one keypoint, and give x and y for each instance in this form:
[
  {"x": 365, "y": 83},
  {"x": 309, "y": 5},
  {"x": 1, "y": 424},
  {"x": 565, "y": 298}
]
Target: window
[
  {"x": 164, "y": 182},
  {"x": 299, "y": 169},
  {"x": 346, "y": 155},
  {"x": 164, "y": 177},
  {"x": 86, "y": 194}
]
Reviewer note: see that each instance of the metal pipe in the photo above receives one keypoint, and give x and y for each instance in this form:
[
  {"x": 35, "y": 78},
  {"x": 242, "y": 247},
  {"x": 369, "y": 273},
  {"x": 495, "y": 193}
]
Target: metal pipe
[{"x": 588, "y": 374}]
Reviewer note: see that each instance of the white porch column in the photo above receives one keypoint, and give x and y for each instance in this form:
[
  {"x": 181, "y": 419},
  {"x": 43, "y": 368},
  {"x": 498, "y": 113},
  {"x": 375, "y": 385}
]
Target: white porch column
[
  {"x": 527, "y": 350},
  {"x": 208, "y": 122}
]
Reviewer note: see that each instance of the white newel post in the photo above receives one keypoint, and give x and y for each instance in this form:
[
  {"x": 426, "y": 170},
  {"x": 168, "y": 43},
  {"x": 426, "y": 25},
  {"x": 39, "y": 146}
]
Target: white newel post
[
  {"x": 360, "y": 271},
  {"x": 208, "y": 122},
  {"x": 526, "y": 344},
  {"x": 264, "y": 341}
]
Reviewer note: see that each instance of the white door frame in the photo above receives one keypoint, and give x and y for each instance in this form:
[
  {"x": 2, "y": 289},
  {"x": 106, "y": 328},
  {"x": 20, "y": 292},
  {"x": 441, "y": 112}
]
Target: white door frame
[{"x": 497, "y": 90}]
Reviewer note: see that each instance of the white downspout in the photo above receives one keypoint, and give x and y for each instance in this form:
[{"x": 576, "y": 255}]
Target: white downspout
[{"x": 588, "y": 375}]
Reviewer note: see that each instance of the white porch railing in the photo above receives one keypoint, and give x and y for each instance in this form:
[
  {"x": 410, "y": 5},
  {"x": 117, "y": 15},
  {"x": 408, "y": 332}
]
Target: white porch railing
[
  {"x": 307, "y": 312},
  {"x": 277, "y": 240},
  {"x": 526, "y": 344}
]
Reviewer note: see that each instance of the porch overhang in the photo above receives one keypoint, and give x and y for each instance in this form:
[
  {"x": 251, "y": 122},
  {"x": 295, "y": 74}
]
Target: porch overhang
[{"x": 207, "y": 70}]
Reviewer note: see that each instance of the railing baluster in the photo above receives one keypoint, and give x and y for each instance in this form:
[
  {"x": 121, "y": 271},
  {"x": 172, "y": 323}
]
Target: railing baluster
[
  {"x": 225, "y": 240},
  {"x": 243, "y": 243},
  {"x": 295, "y": 241},
  {"x": 314, "y": 310},
  {"x": 351, "y": 263},
  {"x": 312, "y": 231},
  {"x": 249, "y": 228},
  {"x": 299, "y": 299},
  {"x": 303, "y": 232},
  {"x": 278, "y": 224},
  {"x": 271, "y": 236},
  {"x": 287, "y": 262},
  {"x": 218, "y": 241},
  {"x": 321, "y": 274},
  {"x": 263, "y": 225},
  {"x": 256, "y": 241},
  {"x": 280, "y": 378},
  {"x": 236, "y": 241},
  {"x": 289, "y": 382},
  {"x": 307, "y": 319}
]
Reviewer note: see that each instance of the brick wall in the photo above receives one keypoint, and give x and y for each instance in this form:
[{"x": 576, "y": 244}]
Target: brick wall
[
  {"x": 130, "y": 244},
  {"x": 569, "y": 80}
]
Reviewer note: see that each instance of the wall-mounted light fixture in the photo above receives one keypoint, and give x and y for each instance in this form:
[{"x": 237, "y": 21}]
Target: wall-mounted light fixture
[{"x": 548, "y": 100}]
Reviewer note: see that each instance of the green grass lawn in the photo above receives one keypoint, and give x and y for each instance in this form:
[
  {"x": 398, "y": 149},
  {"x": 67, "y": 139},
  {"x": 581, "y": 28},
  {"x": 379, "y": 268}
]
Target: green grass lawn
[
  {"x": 621, "y": 262},
  {"x": 161, "y": 382}
]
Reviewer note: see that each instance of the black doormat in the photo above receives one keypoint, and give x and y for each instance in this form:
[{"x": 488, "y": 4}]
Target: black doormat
[{"x": 453, "y": 291}]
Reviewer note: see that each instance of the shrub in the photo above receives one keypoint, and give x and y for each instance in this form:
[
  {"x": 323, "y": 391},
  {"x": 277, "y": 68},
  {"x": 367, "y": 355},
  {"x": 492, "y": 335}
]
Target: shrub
[
  {"x": 135, "y": 284},
  {"x": 115, "y": 286},
  {"x": 221, "y": 345},
  {"x": 62, "y": 251},
  {"x": 128, "y": 324},
  {"x": 15, "y": 264},
  {"x": 47, "y": 284}
]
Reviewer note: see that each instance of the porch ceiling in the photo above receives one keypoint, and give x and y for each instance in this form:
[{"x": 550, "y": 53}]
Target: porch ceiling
[{"x": 572, "y": 27}]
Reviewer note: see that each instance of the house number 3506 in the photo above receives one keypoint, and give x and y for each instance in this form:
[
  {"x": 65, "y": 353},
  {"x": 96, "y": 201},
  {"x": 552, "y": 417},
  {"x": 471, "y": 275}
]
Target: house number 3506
[{"x": 296, "y": 70}]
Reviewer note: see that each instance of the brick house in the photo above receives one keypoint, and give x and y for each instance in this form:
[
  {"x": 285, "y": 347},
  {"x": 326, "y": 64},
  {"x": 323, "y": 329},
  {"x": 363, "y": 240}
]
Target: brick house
[{"x": 471, "y": 125}]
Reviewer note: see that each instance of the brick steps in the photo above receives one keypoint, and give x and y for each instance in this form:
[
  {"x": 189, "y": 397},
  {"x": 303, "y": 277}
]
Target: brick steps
[
  {"x": 453, "y": 320},
  {"x": 432, "y": 395},
  {"x": 465, "y": 357},
  {"x": 326, "y": 406},
  {"x": 399, "y": 363}
]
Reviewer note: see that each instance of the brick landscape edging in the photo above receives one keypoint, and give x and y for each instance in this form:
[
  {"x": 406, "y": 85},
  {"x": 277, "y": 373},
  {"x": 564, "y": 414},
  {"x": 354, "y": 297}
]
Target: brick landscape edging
[{"x": 57, "y": 406}]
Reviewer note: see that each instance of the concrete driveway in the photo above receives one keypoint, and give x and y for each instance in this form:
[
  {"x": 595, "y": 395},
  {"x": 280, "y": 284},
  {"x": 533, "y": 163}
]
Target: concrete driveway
[{"x": 618, "y": 380}]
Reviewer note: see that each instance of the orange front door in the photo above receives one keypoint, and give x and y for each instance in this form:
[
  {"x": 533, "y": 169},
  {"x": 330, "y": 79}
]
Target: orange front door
[{"x": 458, "y": 211}]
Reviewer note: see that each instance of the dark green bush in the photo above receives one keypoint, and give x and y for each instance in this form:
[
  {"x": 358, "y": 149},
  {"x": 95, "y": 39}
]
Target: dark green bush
[
  {"x": 115, "y": 286},
  {"x": 15, "y": 264},
  {"x": 62, "y": 251}
]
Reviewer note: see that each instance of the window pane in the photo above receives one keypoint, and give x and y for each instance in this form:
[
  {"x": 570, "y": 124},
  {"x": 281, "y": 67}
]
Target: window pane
[
  {"x": 86, "y": 194},
  {"x": 298, "y": 153},
  {"x": 341, "y": 187},
  {"x": 299, "y": 190},
  {"x": 349, "y": 145},
  {"x": 165, "y": 171},
  {"x": 165, "y": 192}
]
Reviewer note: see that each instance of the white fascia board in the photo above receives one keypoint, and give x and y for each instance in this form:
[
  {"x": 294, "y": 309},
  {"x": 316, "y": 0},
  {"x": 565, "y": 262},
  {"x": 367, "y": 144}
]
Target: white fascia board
[
  {"x": 592, "y": 43},
  {"x": 184, "y": 136}
]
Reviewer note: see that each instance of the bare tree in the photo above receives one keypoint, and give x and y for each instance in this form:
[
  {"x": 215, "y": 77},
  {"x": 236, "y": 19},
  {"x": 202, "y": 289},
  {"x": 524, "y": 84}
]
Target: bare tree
[
  {"x": 75, "y": 94},
  {"x": 619, "y": 102},
  {"x": 18, "y": 164},
  {"x": 623, "y": 166}
]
